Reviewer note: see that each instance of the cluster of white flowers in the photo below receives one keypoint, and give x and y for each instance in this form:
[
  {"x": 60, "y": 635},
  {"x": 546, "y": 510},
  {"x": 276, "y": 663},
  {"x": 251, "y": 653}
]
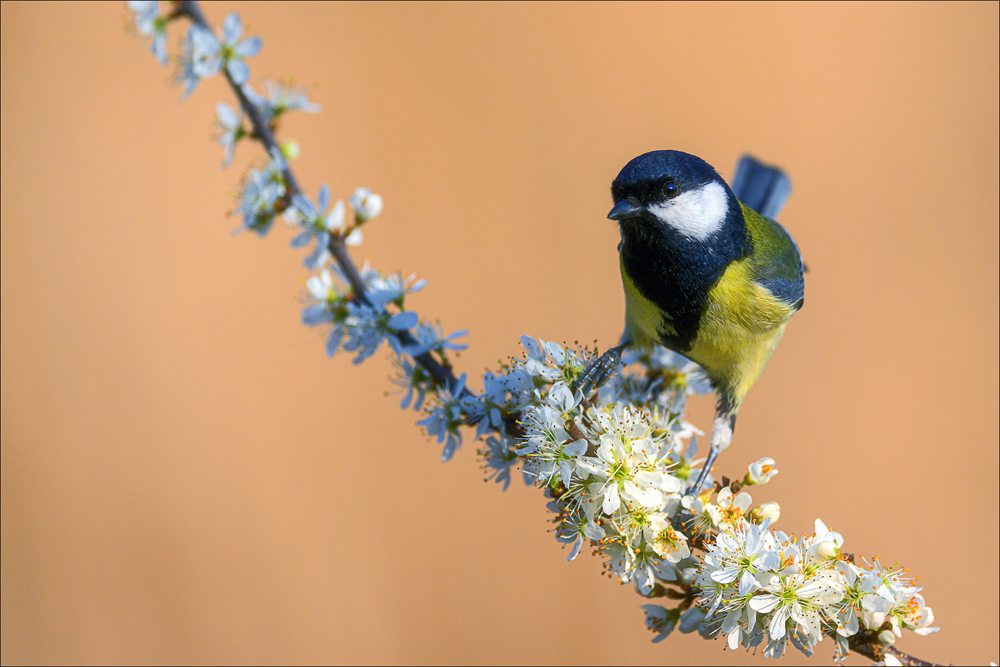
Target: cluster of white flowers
[
  {"x": 612, "y": 482},
  {"x": 758, "y": 586},
  {"x": 361, "y": 326},
  {"x": 615, "y": 463},
  {"x": 616, "y": 466},
  {"x": 885, "y": 600}
]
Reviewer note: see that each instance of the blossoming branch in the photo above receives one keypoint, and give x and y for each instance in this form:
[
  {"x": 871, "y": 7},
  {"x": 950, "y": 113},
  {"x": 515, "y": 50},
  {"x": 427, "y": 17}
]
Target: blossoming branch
[{"x": 613, "y": 463}]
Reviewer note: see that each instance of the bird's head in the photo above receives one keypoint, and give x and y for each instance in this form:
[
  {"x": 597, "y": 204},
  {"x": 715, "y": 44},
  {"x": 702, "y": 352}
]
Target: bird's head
[{"x": 674, "y": 195}]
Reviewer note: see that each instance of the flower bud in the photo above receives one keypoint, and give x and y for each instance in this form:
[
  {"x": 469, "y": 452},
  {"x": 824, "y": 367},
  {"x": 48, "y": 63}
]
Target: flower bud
[
  {"x": 827, "y": 548},
  {"x": 887, "y": 638},
  {"x": 289, "y": 149},
  {"x": 365, "y": 204},
  {"x": 766, "y": 511}
]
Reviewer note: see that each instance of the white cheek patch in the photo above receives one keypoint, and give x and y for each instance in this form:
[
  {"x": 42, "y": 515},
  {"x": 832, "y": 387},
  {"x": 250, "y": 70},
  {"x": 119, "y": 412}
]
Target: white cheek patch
[{"x": 696, "y": 213}]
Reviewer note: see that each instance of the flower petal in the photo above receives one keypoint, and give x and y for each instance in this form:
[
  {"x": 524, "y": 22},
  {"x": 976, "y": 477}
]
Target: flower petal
[
  {"x": 612, "y": 501},
  {"x": 238, "y": 70},
  {"x": 232, "y": 28},
  {"x": 227, "y": 117},
  {"x": 765, "y": 603},
  {"x": 249, "y": 47},
  {"x": 323, "y": 198}
]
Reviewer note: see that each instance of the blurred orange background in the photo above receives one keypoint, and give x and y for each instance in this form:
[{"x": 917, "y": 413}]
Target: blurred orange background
[{"x": 187, "y": 478}]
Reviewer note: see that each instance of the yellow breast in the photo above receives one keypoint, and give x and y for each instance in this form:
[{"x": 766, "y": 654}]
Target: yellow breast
[{"x": 738, "y": 332}]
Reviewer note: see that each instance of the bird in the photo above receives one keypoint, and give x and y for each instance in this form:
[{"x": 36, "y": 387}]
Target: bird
[{"x": 705, "y": 274}]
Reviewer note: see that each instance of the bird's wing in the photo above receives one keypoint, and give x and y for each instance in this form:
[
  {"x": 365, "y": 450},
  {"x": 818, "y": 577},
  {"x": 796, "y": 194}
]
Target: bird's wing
[
  {"x": 778, "y": 265},
  {"x": 762, "y": 188}
]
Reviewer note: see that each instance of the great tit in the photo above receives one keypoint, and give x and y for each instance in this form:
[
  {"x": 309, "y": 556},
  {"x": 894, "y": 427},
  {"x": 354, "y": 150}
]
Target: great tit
[{"x": 705, "y": 275}]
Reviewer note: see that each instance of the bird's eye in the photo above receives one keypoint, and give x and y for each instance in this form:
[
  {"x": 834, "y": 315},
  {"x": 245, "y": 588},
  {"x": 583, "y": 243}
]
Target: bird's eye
[{"x": 670, "y": 189}]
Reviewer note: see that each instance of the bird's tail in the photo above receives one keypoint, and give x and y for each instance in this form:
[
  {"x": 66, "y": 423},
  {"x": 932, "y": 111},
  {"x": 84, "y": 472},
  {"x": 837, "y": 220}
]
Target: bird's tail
[{"x": 762, "y": 188}]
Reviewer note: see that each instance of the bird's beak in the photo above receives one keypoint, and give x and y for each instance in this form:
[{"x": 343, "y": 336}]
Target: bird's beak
[{"x": 624, "y": 210}]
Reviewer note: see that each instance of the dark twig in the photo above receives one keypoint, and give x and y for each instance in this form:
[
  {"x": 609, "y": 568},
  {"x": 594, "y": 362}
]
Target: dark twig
[{"x": 866, "y": 643}]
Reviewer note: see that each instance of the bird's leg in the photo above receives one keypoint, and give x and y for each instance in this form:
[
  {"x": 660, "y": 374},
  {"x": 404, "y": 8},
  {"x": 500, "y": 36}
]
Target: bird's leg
[
  {"x": 722, "y": 435},
  {"x": 600, "y": 371}
]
